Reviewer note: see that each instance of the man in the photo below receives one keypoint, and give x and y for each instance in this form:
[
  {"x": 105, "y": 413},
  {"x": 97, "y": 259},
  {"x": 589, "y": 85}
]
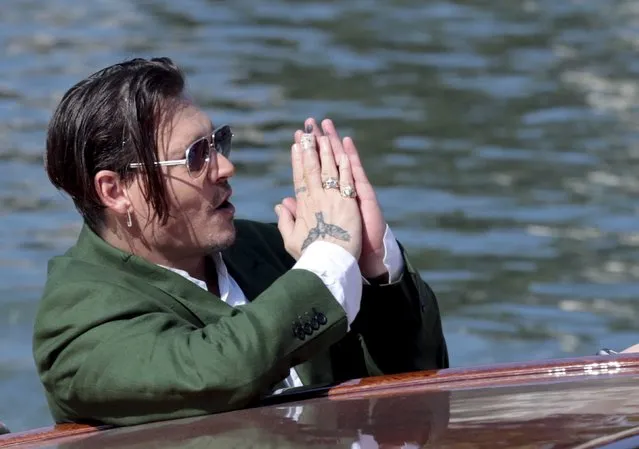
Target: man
[{"x": 168, "y": 307}]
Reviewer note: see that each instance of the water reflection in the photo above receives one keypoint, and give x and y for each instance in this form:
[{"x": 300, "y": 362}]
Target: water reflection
[
  {"x": 365, "y": 423},
  {"x": 501, "y": 136}
]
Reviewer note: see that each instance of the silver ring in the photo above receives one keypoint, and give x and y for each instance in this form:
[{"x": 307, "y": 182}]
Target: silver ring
[
  {"x": 331, "y": 183},
  {"x": 348, "y": 192}
]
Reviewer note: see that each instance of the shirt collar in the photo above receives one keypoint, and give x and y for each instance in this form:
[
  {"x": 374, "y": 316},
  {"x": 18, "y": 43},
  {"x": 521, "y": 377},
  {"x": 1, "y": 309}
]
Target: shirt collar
[{"x": 222, "y": 276}]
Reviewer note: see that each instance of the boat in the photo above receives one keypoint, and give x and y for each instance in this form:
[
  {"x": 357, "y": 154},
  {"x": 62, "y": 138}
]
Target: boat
[{"x": 579, "y": 403}]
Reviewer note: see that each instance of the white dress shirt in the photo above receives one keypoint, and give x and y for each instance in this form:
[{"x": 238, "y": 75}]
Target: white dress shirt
[{"x": 335, "y": 266}]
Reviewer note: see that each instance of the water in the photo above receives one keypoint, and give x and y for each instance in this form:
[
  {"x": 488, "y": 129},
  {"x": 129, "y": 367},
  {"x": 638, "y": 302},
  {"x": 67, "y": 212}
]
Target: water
[{"x": 501, "y": 137}]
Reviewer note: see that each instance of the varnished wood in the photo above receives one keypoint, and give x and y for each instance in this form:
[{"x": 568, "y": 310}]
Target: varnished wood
[
  {"x": 48, "y": 433},
  {"x": 551, "y": 371},
  {"x": 493, "y": 375}
]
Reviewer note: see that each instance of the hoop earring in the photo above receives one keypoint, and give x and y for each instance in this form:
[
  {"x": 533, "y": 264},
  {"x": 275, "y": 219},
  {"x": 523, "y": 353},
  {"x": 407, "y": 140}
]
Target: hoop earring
[{"x": 129, "y": 222}]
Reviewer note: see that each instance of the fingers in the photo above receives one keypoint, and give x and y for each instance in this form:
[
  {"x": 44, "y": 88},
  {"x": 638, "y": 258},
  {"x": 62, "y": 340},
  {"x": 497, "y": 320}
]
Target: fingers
[
  {"x": 298, "y": 169},
  {"x": 311, "y": 127},
  {"x": 311, "y": 164},
  {"x": 353, "y": 156},
  {"x": 327, "y": 159},
  {"x": 291, "y": 205},
  {"x": 345, "y": 176},
  {"x": 364, "y": 188},
  {"x": 339, "y": 147},
  {"x": 333, "y": 135},
  {"x": 316, "y": 213},
  {"x": 285, "y": 221},
  {"x": 347, "y": 146}
]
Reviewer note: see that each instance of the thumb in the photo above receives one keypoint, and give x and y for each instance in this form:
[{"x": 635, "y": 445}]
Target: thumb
[{"x": 284, "y": 220}]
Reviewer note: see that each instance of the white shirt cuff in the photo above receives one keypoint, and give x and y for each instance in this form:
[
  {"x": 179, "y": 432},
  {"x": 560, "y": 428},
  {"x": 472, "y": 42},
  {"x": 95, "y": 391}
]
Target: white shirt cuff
[
  {"x": 393, "y": 260},
  {"x": 338, "y": 270}
]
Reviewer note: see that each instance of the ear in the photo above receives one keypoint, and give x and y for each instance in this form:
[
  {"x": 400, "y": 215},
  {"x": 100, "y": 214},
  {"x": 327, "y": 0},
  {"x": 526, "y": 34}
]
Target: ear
[{"x": 112, "y": 191}]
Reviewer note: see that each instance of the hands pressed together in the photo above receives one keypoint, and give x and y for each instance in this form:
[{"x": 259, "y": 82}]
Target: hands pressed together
[{"x": 334, "y": 201}]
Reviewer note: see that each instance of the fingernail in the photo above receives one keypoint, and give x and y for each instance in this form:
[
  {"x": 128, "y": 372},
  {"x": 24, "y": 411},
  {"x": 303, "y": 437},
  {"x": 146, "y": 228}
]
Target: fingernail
[
  {"x": 278, "y": 209},
  {"x": 309, "y": 128}
]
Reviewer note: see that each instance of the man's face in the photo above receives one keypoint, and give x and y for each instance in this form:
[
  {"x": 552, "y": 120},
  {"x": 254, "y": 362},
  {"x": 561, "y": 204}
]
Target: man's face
[{"x": 200, "y": 218}]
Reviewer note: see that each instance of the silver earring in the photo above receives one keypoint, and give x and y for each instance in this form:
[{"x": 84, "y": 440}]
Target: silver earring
[{"x": 129, "y": 222}]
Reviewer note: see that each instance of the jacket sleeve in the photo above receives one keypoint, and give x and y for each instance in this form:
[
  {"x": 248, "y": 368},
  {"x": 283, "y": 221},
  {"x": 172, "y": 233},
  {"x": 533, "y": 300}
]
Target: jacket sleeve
[
  {"x": 106, "y": 354},
  {"x": 400, "y": 325}
]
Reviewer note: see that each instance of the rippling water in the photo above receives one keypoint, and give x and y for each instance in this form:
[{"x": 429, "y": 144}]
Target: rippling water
[{"x": 501, "y": 136}]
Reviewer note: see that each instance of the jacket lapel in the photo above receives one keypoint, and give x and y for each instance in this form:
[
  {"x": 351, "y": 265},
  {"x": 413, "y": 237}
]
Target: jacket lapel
[
  {"x": 252, "y": 272},
  {"x": 189, "y": 300}
]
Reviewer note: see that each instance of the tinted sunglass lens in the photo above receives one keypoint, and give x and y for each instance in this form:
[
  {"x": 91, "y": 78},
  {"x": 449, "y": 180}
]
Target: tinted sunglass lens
[
  {"x": 222, "y": 139},
  {"x": 196, "y": 159}
]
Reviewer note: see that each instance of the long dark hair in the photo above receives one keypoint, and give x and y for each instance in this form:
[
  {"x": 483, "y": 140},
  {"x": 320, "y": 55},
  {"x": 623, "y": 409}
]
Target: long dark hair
[{"x": 106, "y": 122}]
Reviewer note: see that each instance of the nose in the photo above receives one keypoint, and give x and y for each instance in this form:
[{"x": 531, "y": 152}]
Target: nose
[{"x": 225, "y": 168}]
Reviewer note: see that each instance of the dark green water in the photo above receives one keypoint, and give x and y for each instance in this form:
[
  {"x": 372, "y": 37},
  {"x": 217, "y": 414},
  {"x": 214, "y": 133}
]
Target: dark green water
[{"x": 501, "y": 135}]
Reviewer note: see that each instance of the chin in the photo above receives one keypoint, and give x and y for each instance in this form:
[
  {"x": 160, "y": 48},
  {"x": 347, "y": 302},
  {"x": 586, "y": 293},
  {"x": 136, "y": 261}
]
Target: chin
[{"x": 222, "y": 239}]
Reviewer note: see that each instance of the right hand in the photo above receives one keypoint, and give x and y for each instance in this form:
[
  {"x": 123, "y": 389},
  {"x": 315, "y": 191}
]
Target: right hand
[{"x": 320, "y": 214}]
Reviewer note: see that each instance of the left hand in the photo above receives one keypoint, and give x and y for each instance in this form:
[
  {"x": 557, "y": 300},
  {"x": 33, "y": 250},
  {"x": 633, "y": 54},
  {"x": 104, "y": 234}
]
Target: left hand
[{"x": 371, "y": 261}]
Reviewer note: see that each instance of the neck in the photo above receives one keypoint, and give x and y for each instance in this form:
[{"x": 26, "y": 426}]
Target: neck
[{"x": 195, "y": 266}]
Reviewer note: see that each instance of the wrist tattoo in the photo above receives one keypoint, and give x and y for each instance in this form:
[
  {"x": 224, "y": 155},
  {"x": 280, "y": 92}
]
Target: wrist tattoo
[{"x": 323, "y": 230}]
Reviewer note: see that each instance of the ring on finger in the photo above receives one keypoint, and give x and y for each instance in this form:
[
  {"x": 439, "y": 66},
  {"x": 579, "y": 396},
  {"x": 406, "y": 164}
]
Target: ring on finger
[
  {"x": 348, "y": 191},
  {"x": 330, "y": 183}
]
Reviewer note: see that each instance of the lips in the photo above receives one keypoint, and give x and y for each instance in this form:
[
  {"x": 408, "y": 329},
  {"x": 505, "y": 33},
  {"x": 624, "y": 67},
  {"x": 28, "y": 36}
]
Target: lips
[{"x": 225, "y": 200}]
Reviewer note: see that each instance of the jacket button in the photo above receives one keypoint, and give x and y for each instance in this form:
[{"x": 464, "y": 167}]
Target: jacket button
[
  {"x": 308, "y": 329},
  {"x": 312, "y": 320},
  {"x": 321, "y": 318},
  {"x": 299, "y": 333}
]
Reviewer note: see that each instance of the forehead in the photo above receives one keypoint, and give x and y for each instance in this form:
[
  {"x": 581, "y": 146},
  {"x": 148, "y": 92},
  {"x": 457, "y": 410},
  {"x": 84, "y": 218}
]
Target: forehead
[{"x": 187, "y": 124}]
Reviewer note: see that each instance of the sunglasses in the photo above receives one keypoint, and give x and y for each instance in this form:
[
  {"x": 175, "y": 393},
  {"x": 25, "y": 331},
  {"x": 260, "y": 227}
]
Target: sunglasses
[{"x": 198, "y": 154}]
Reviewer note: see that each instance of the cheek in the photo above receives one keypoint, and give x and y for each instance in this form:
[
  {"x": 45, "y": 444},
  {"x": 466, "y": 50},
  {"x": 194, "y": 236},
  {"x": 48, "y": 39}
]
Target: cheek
[
  {"x": 184, "y": 198},
  {"x": 187, "y": 201},
  {"x": 143, "y": 208}
]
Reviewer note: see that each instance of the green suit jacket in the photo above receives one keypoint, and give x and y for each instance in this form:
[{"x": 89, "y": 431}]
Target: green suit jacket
[{"x": 122, "y": 341}]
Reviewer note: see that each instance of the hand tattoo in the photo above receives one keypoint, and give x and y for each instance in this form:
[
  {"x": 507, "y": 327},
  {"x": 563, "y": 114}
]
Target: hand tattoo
[{"x": 323, "y": 230}]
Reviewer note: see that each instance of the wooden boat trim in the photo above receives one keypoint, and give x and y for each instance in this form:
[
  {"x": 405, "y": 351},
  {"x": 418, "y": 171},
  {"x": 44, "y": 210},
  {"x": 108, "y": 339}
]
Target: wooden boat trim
[
  {"x": 43, "y": 434},
  {"x": 556, "y": 370},
  {"x": 489, "y": 376}
]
